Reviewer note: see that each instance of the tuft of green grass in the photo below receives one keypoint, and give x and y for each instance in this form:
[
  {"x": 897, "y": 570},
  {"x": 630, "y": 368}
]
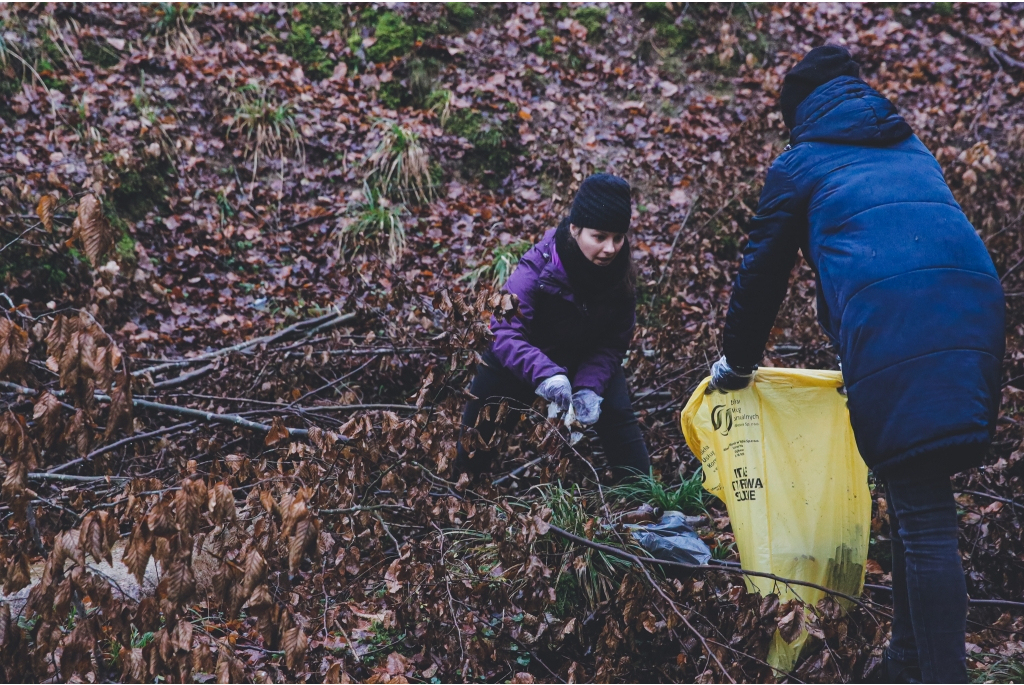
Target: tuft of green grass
[
  {"x": 501, "y": 264},
  {"x": 376, "y": 221},
  {"x": 400, "y": 166},
  {"x": 1002, "y": 670},
  {"x": 267, "y": 126},
  {"x": 688, "y": 496},
  {"x": 440, "y": 103}
]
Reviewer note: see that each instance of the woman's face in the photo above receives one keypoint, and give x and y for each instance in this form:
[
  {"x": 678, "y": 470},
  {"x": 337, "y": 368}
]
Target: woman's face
[{"x": 600, "y": 247}]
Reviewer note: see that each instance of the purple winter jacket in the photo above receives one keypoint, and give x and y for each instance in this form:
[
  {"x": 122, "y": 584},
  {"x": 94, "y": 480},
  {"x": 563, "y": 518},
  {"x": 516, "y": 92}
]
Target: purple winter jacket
[{"x": 558, "y": 331}]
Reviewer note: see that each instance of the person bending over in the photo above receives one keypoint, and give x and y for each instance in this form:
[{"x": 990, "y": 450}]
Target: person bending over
[
  {"x": 577, "y": 313},
  {"x": 908, "y": 292}
]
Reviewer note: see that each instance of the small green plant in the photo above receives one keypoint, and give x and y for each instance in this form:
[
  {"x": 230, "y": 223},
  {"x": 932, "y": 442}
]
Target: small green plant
[
  {"x": 376, "y": 221},
  {"x": 722, "y": 552},
  {"x": 440, "y": 103},
  {"x": 173, "y": 15},
  {"x": 944, "y": 9},
  {"x": 688, "y": 497},
  {"x": 545, "y": 46},
  {"x": 503, "y": 260},
  {"x": 400, "y": 167},
  {"x": 394, "y": 38}
]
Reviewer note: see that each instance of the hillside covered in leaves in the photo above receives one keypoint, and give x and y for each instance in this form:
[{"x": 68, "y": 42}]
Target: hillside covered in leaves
[{"x": 248, "y": 254}]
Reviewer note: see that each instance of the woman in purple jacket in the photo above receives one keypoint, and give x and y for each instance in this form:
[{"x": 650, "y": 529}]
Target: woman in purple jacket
[{"x": 577, "y": 312}]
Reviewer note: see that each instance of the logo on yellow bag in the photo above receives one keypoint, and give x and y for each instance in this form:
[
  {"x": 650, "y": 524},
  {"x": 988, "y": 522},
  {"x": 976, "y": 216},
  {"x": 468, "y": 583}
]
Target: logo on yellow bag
[{"x": 721, "y": 419}]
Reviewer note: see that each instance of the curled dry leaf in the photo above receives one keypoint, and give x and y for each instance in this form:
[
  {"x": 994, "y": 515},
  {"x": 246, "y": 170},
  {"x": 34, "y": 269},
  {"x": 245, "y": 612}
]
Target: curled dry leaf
[
  {"x": 17, "y": 573},
  {"x": 222, "y": 503},
  {"x": 44, "y": 210},
  {"x": 97, "y": 535},
  {"x": 189, "y": 503},
  {"x": 306, "y": 531},
  {"x": 48, "y": 415},
  {"x": 13, "y": 349},
  {"x": 295, "y": 643},
  {"x": 178, "y": 585},
  {"x": 278, "y": 432},
  {"x": 92, "y": 230}
]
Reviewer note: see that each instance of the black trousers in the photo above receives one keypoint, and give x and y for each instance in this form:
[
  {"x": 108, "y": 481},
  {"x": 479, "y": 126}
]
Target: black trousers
[
  {"x": 929, "y": 591},
  {"x": 616, "y": 427}
]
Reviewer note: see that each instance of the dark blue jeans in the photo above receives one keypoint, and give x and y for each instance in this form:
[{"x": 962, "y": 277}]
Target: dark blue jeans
[
  {"x": 929, "y": 591},
  {"x": 617, "y": 426}
]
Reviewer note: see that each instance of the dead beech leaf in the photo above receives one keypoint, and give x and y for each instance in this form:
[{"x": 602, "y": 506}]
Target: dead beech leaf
[
  {"x": 92, "y": 230},
  {"x": 44, "y": 210},
  {"x": 222, "y": 503},
  {"x": 792, "y": 624},
  {"x": 48, "y": 415},
  {"x": 295, "y": 643},
  {"x": 278, "y": 432},
  {"x": 13, "y": 349}
]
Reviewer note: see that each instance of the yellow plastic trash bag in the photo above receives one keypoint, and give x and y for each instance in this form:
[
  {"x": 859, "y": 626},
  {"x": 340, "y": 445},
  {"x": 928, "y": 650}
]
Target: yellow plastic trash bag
[{"x": 782, "y": 456}]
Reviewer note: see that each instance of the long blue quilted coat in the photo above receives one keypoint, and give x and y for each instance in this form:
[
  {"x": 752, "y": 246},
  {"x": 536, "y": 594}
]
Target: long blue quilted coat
[{"x": 906, "y": 288}]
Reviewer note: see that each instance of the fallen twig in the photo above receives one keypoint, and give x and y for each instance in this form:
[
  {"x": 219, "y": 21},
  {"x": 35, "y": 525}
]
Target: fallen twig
[
  {"x": 184, "y": 378},
  {"x": 993, "y": 497},
  {"x": 124, "y": 441},
  {"x": 233, "y": 419},
  {"x": 970, "y": 600},
  {"x": 333, "y": 318},
  {"x": 516, "y": 471},
  {"x": 45, "y": 475},
  {"x": 704, "y": 567},
  {"x": 353, "y": 510},
  {"x": 672, "y": 250}
]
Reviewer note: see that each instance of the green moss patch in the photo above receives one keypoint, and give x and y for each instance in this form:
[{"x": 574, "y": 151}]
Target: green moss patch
[
  {"x": 393, "y": 38},
  {"x": 305, "y": 48},
  {"x": 495, "y": 144}
]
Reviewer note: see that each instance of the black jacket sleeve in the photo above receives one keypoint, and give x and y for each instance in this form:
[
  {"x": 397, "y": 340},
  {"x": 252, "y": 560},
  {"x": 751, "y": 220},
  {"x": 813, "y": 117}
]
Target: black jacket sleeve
[{"x": 775, "y": 236}]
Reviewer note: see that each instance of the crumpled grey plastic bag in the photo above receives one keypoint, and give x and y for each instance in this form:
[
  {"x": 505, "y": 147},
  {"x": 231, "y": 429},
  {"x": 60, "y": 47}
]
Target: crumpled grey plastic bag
[{"x": 671, "y": 539}]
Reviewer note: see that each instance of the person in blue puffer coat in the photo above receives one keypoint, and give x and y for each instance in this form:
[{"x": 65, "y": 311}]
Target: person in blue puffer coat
[{"x": 909, "y": 295}]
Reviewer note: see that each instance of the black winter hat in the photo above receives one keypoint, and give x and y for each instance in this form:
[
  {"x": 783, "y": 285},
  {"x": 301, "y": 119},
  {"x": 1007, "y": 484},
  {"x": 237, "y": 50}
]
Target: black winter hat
[
  {"x": 821, "y": 65},
  {"x": 603, "y": 204}
]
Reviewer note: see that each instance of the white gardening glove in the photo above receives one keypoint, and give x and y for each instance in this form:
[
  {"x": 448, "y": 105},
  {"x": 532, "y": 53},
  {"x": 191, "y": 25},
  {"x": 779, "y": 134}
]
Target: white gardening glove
[
  {"x": 587, "y": 405},
  {"x": 557, "y": 390},
  {"x": 725, "y": 377}
]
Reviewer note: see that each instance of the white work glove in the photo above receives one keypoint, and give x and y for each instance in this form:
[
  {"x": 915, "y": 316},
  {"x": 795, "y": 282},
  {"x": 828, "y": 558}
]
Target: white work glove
[
  {"x": 725, "y": 377},
  {"x": 557, "y": 390},
  {"x": 587, "y": 405}
]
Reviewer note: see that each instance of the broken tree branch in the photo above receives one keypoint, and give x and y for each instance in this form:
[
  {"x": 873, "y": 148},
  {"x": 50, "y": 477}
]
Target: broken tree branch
[
  {"x": 124, "y": 441},
  {"x": 334, "y": 318}
]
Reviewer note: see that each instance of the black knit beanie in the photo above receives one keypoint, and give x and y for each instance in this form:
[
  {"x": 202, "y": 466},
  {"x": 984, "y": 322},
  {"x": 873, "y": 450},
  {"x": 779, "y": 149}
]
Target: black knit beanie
[
  {"x": 603, "y": 204},
  {"x": 820, "y": 66}
]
